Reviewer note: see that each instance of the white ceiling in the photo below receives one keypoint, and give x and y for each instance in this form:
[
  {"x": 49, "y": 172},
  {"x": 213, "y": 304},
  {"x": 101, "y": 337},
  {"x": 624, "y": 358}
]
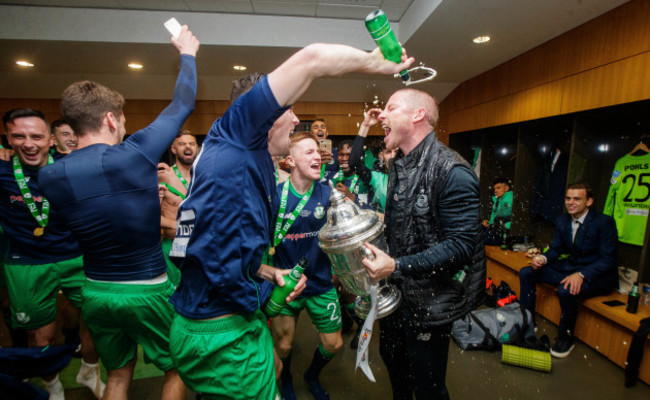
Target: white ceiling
[{"x": 69, "y": 40}]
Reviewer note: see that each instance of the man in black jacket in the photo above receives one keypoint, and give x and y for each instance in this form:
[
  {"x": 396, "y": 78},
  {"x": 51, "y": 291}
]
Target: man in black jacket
[{"x": 437, "y": 257}]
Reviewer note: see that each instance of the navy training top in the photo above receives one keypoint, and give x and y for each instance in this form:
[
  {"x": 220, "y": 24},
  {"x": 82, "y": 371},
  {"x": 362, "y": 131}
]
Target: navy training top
[
  {"x": 108, "y": 195},
  {"x": 301, "y": 239},
  {"x": 225, "y": 223},
  {"x": 20, "y": 245}
]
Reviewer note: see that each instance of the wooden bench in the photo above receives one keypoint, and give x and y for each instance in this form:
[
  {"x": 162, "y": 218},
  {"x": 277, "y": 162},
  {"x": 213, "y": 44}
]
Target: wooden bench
[{"x": 606, "y": 329}]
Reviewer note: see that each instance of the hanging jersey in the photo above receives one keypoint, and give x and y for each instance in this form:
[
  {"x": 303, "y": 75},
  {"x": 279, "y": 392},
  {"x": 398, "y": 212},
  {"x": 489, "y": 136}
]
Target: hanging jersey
[{"x": 628, "y": 198}]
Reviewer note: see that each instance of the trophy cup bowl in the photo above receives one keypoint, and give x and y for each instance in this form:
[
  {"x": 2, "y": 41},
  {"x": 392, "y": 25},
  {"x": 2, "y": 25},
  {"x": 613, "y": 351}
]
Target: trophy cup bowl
[{"x": 343, "y": 239}]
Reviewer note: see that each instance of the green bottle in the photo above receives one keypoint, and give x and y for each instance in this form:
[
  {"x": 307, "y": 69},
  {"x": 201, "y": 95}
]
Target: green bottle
[
  {"x": 504, "y": 238},
  {"x": 279, "y": 294},
  {"x": 633, "y": 299},
  {"x": 340, "y": 177},
  {"x": 380, "y": 30}
]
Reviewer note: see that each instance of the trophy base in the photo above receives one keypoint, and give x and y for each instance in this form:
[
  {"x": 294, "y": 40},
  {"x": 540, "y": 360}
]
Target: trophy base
[{"x": 389, "y": 299}]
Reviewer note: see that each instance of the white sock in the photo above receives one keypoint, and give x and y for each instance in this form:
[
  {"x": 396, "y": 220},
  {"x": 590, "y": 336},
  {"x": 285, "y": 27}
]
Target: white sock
[
  {"x": 89, "y": 376},
  {"x": 55, "y": 388}
]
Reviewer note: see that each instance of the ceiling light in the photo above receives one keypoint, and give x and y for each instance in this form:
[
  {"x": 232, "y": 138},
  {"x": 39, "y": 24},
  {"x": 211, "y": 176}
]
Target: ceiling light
[
  {"x": 239, "y": 67},
  {"x": 24, "y": 63},
  {"x": 135, "y": 66},
  {"x": 481, "y": 39}
]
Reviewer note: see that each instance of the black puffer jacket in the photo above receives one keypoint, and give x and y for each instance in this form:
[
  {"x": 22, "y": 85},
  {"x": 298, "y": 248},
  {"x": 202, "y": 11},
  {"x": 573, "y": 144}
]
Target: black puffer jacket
[{"x": 433, "y": 229}]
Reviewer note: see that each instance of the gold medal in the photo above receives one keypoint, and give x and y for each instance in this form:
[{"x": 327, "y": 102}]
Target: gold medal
[
  {"x": 272, "y": 251},
  {"x": 39, "y": 231}
]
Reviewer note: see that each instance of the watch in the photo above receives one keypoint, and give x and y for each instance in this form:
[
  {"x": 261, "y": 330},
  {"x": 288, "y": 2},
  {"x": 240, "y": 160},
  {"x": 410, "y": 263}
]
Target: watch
[
  {"x": 397, "y": 266},
  {"x": 581, "y": 275}
]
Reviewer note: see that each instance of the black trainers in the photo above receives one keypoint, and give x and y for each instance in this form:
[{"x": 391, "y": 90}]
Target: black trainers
[{"x": 562, "y": 347}]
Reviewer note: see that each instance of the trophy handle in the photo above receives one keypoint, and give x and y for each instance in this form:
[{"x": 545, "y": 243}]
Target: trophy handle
[{"x": 368, "y": 254}]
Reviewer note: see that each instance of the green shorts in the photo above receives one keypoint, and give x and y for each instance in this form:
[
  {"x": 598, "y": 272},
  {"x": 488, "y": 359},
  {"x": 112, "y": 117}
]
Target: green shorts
[
  {"x": 120, "y": 316},
  {"x": 323, "y": 310},
  {"x": 33, "y": 290},
  {"x": 227, "y": 358},
  {"x": 173, "y": 273}
]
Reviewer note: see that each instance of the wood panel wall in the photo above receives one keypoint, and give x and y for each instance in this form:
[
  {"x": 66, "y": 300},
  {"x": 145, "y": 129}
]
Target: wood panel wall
[
  {"x": 341, "y": 118},
  {"x": 601, "y": 63}
]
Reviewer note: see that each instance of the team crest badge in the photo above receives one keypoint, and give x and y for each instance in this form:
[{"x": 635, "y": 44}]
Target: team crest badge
[{"x": 319, "y": 212}]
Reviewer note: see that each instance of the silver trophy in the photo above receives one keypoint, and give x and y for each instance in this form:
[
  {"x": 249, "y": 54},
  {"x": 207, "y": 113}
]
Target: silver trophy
[{"x": 343, "y": 239}]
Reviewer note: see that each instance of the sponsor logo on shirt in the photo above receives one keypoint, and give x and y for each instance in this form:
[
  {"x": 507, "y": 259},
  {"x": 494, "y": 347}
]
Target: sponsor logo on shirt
[
  {"x": 19, "y": 199},
  {"x": 636, "y": 210},
  {"x": 298, "y": 236},
  {"x": 184, "y": 228},
  {"x": 615, "y": 175}
]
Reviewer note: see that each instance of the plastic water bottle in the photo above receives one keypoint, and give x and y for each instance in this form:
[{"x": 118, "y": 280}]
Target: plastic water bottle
[
  {"x": 380, "y": 30},
  {"x": 277, "y": 301},
  {"x": 646, "y": 294}
]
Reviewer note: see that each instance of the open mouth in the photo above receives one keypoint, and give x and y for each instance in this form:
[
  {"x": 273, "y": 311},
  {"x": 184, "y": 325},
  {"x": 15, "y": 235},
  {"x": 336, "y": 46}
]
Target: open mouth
[
  {"x": 315, "y": 167},
  {"x": 71, "y": 145},
  {"x": 31, "y": 155},
  {"x": 386, "y": 129}
]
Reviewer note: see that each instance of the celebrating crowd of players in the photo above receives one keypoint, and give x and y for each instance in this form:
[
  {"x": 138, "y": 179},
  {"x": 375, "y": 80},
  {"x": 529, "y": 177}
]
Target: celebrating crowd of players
[{"x": 89, "y": 223}]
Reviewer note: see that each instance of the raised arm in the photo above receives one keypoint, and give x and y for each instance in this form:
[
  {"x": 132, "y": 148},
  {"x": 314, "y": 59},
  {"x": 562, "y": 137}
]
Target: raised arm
[
  {"x": 370, "y": 119},
  {"x": 154, "y": 140},
  {"x": 290, "y": 80}
]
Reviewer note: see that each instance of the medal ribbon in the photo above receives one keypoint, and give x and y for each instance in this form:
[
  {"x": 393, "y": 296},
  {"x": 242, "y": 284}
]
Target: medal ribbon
[
  {"x": 282, "y": 227},
  {"x": 173, "y": 190},
  {"x": 42, "y": 217},
  {"x": 180, "y": 176}
]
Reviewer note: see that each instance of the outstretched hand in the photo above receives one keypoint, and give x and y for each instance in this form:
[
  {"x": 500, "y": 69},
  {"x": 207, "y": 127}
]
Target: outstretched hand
[
  {"x": 186, "y": 42},
  {"x": 382, "y": 66}
]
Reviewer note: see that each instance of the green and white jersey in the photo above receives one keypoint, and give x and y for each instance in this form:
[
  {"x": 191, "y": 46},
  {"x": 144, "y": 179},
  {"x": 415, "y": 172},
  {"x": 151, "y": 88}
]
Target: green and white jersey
[{"x": 628, "y": 198}]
